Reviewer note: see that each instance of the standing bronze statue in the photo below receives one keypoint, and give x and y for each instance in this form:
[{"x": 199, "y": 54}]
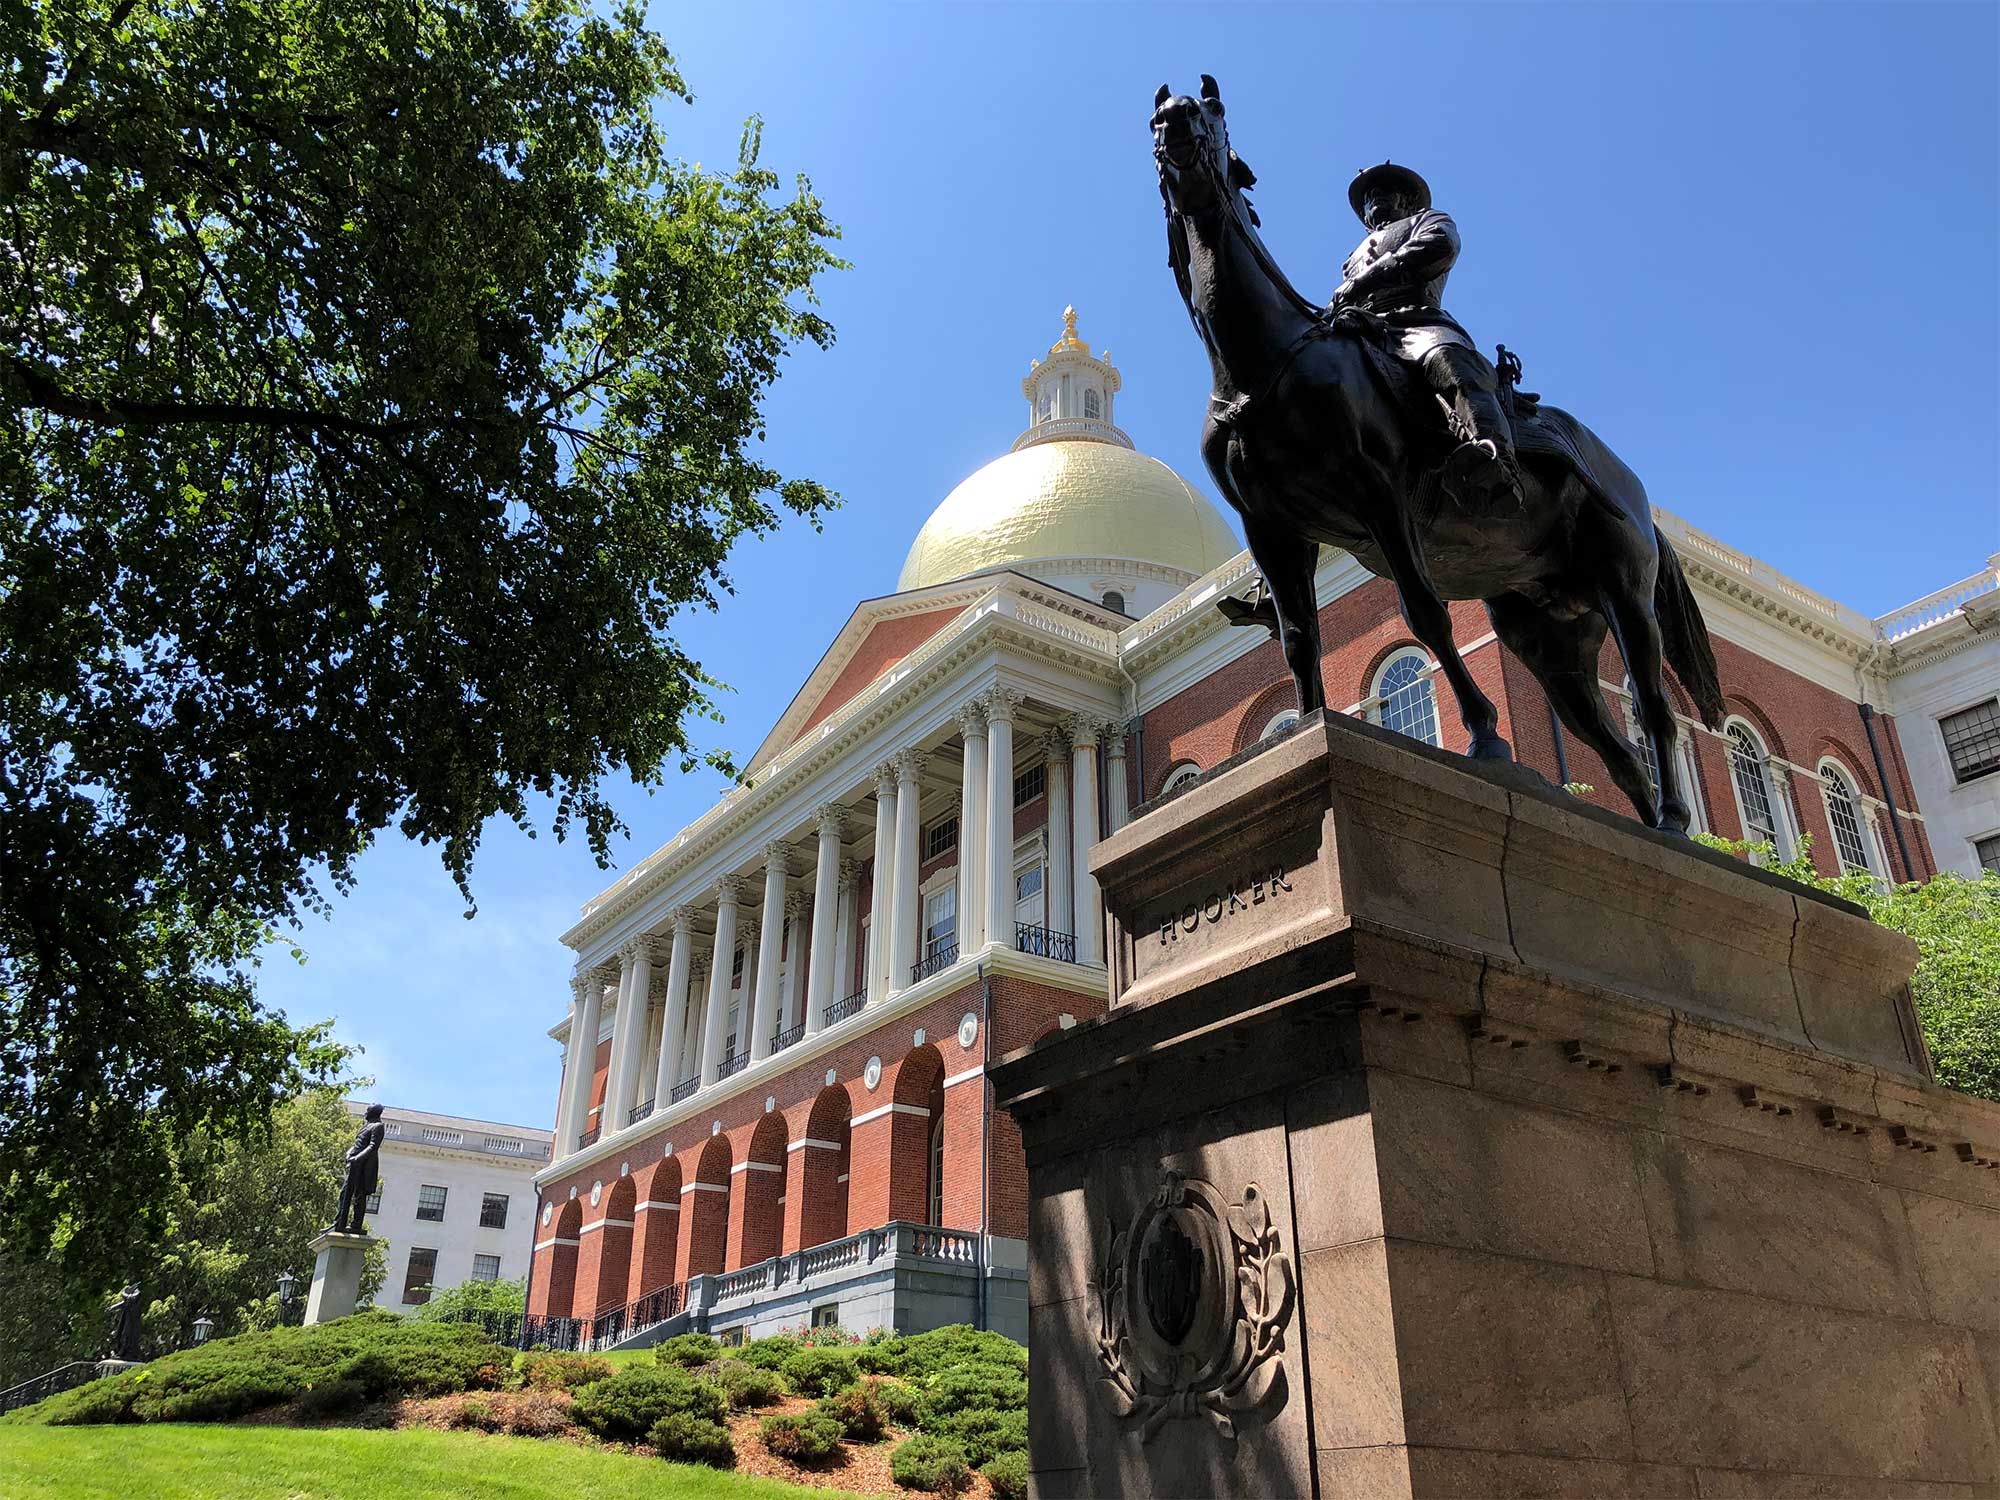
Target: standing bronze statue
[
  {"x": 1375, "y": 426},
  {"x": 359, "y": 1183},
  {"x": 127, "y": 1317}
]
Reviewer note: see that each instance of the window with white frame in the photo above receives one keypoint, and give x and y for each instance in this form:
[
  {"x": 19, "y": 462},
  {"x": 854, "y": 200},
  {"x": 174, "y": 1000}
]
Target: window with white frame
[
  {"x": 1029, "y": 784},
  {"x": 941, "y": 837},
  {"x": 485, "y": 1268},
  {"x": 1404, "y": 697},
  {"x": 1682, "y": 751},
  {"x": 736, "y": 960},
  {"x": 940, "y": 920},
  {"x": 1028, "y": 905},
  {"x": 1843, "y": 812},
  {"x": 1180, "y": 776},
  {"x": 1279, "y": 721},
  {"x": 418, "y": 1274},
  {"x": 1972, "y": 739},
  {"x": 1758, "y": 801},
  {"x": 1987, "y": 852},
  {"x": 493, "y": 1211},
  {"x": 1091, "y": 408},
  {"x": 430, "y": 1203}
]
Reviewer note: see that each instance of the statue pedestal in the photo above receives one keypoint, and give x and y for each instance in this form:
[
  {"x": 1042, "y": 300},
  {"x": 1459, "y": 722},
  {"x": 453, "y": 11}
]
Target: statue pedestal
[
  {"x": 336, "y": 1283},
  {"x": 1446, "y": 1136}
]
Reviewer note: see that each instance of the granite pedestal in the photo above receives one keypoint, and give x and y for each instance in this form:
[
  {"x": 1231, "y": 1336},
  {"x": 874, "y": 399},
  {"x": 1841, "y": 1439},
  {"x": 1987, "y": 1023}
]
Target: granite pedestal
[
  {"x": 336, "y": 1283},
  {"x": 1447, "y": 1136}
]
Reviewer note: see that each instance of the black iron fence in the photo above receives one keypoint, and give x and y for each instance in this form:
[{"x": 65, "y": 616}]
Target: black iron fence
[
  {"x": 589, "y": 1138},
  {"x": 611, "y": 1326},
  {"x": 840, "y": 1010},
  {"x": 61, "y": 1378},
  {"x": 941, "y": 957},
  {"x": 783, "y": 1039},
  {"x": 1045, "y": 942},
  {"x": 684, "y": 1089},
  {"x": 731, "y": 1065},
  {"x": 639, "y": 1112}
]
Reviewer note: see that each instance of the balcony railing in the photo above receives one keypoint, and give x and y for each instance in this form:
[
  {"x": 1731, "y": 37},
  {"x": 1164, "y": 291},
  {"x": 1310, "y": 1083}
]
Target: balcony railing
[
  {"x": 684, "y": 1089},
  {"x": 1045, "y": 942},
  {"x": 639, "y": 1112},
  {"x": 731, "y": 1065},
  {"x": 941, "y": 957},
  {"x": 840, "y": 1010},
  {"x": 783, "y": 1039},
  {"x": 589, "y": 1138},
  {"x": 578, "y": 1335}
]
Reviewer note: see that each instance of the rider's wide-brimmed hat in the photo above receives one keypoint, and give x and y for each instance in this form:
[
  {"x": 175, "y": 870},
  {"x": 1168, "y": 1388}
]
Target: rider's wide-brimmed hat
[{"x": 1387, "y": 175}]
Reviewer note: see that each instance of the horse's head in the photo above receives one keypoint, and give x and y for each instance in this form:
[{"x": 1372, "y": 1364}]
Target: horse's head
[{"x": 1198, "y": 171}]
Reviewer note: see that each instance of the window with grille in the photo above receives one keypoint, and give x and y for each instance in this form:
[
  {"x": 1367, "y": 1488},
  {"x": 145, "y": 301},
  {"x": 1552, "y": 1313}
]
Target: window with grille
[
  {"x": 1278, "y": 722},
  {"x": 1091, "y": 408},
  {"x": 1408, "y": 705},
  {"x": 1028, "y": 786},
  {"x": 1972, "y": 739},
  {"x": 1028, "y": 896},
  {"x": 430, "y": 1203},
  {"x": 375, "y": 1199},
  {"x": 736, "y": 969},
  {"x": 942, "y": 837},
  {"x": 493, "y": 1211},
  {"x": 1988, "y": 851},
  {"x": 1180, "y": 776},
  {"x": 826, "y": 1315},
  {"x": 485, "y": 1268},
  {"x": 1752, "y": 775},
  {"x": 1844, "y": 813},
  {"x": 418, "y": 1275},
  {"x": 940, "y": 920}
]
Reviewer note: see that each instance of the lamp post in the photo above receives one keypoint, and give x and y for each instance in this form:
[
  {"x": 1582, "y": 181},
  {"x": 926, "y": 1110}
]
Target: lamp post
[
  {"x": 203, "y": 1327},
  {"x": 288, "y": 1293}
]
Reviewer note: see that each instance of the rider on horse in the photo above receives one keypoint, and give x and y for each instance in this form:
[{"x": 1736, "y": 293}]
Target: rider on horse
[{"x": 1396, "y": 276}]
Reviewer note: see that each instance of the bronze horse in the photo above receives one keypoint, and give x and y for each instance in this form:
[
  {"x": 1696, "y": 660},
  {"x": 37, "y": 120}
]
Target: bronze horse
[{"x": 1318, "y": 439}]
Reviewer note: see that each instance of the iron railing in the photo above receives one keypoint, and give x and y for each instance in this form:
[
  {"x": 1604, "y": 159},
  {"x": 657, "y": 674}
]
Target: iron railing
[
  {"x": 840, "y": 1010},
  {"x": 684, "y": 1089},
  {"x": 639, "y": 1112},
  {"x": 613, "y": 1324},
  {"x": 941, "y": 957},
  {"x": 62, "y": 1378},
  {"x": 589, "y": 1138},
  {"x": 1045, "y": 942},
  {"x": 731, "y": 1065},
  {"x": 567, "y": 1335},
  {"x": 783, "y": 1039}
]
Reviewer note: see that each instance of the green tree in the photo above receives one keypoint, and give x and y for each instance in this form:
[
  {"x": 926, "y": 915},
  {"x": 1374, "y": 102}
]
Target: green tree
[
  {"x": 238, "y": 1211},
  {"x": 1955, "y": 923},
  {"x": 470, "y": 1298},
  {"x": 375, "y": 390}
]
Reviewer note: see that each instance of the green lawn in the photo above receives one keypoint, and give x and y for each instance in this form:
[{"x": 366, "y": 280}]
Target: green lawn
[{"x": 190, "y": 1462}]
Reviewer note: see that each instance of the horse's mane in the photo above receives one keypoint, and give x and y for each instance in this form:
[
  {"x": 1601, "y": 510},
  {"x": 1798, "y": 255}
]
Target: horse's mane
[{"x": 1245, "y": 219}]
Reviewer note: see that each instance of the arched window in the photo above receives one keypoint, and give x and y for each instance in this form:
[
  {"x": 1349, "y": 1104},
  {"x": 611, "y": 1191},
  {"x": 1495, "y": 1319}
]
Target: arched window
[
  {"x": 934, "y": 1202},
  {"x": 1405, "y": 700},
  {"x": 1048, "y": 407},
  {"x": 1279, "y": 721},
  {"x": 1180, "y": 776},
  {"x": 1758, "y": 801},
  {"x": 1114, "y": 600},
  {"x": 1843, "y": 812},
  {"x": 1090, "y": 405},
  {"x": 1642, "y": 746}
]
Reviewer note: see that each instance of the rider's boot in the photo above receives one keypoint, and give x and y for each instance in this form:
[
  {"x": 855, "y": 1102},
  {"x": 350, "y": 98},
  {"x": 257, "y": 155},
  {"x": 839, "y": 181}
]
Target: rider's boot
[{"x": 1481, "y": 474}]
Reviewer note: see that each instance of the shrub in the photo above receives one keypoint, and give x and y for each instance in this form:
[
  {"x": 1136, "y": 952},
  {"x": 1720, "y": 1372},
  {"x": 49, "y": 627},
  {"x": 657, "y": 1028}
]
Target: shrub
[
  {"x": 688, "y": 1350},
  {"x": 818, "y": 1372},
  {"x": 807, "y": 1437},
  {"x": 747, "y": 1386},
  {"x": 957, "y": 1346},
  {"x": 625, "y": 1407},
  {"x": 857, "y": 1410},
  {"x": 547, "y": 1370},
  {"x": 332, "y": 1398},
  {"x": 1008, "y": 1474},
  {"x": 827, "y": 1336},
  {"x": 898, "y": 1399},
  {"x": 234, "y": 1394},
  {"x": 533, "y": 1413},
  {"x": 977, "y": 1389},
  {"x": 477, "y": 1413},
  {"x": 931, "y": 1463},
  {"x": 692, "y": 1440},
  {"x": 985, "y": 1434},
  {"x": 771, "y": 1353}
]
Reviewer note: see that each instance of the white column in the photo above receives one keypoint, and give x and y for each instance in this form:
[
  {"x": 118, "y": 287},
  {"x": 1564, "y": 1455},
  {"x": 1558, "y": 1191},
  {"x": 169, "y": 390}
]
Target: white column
[
  {"x": 906, "y": 926},
  {"x": 1000, "y": 706},
  {"x": 795, "y": 961},
  {"x": 674, "y": 1022},
  {"x": 882, "y": 893},
  {"x": 1083, "y": 731},
  {"x": 1058, "y": 914},
  {"x": 578, "y": 1052},
  {"x": 847, "y": 927},
  {"x": 688, "y": 1063},
  {"x": 745, "y": 994},
  {"x": 972, "y": 830},
  {"x": 1117, "y": 793},
  {"x": 728, "y": 890},
  {"x": 628, "y": 1033},
  {"x": 770, "y": 953},
  {"x": 822, "y": 990}
]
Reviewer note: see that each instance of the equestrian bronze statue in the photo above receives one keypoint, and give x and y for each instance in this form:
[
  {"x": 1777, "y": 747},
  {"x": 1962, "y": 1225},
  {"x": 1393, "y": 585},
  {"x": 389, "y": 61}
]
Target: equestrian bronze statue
[{"x": 1375, "y": 425}]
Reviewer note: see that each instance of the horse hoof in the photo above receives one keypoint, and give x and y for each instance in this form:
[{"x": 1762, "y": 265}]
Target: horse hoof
[{"x": 1489, "y": 747}]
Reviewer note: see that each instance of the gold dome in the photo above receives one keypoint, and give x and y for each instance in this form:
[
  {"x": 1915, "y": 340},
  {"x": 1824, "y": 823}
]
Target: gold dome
[{"x": 1068, "y": 499}]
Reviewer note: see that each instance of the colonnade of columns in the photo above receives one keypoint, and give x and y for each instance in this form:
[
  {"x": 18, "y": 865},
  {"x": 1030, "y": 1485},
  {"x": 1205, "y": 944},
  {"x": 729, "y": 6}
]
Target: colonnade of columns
[{"x": 671, "y": 1033}]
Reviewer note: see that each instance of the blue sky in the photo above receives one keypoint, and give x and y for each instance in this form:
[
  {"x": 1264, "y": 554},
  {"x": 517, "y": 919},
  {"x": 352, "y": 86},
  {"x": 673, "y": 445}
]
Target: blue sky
[{"x": 1753, "y": 246}]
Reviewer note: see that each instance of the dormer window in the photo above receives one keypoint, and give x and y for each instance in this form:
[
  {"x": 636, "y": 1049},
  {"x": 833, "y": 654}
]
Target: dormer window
[{"x": 1113, "y": 600}]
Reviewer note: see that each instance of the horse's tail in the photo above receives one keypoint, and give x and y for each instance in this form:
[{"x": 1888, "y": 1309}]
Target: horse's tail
[{"x": 1684, "y": 635}]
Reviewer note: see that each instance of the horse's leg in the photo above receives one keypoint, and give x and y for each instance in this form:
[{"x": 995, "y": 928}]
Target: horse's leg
[
  {"x": 1430, "y": 622},
  {"x": 1289, "y": 564},
  {"x": 1563, "y": 656},
  {"x": 1637, "y": 630}
]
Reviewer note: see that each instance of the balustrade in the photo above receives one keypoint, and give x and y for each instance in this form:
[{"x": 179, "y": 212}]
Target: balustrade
[
  {"x": 1045, "y": 942},
  {"x": 840, "y": 1010},
  {"x": 941, "y": 957}
]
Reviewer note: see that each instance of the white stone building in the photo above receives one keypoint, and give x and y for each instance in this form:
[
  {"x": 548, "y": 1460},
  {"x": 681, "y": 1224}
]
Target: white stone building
[{"x": 455, "y": 1199}]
